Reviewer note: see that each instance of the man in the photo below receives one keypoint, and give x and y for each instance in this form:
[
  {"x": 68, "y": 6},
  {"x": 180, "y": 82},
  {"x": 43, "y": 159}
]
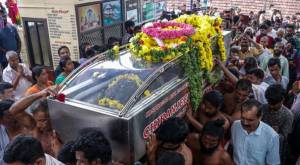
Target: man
[
  {"x": 275, "y": 76},
  {"x": 211, "y": 151},
  {"x": 280, "y": 34},
  {"x": 171, "y": 136},
  {"x": 278, "y": 53},
  {"x": 9, "y": 39},
  {"x": 212, "y": 103},
  {"x": 9, "y": 127},
  {"x": 263, "y": 29},
  {"x": 6, "y": 91},
  {"x": 280, "y": 118},
  {"x": 233, "y": 101},
  {"x": 294, "y": 137},
  {"x": 92, "y": 149},
  {"x": 17, "y": 74},
  {"x": 256, "y": 76},
  {"x": 290, "y": 34},
  {"x": 270, "y": 31},
  {"x": 246, "y": 50},
  {"x": 66, "y": 154},
  {"x": 266, "y": 53},
  {"x": 38, "y": 125},
  {"x": 253, "y": 141},
  {"x": 27, "y": 150},
  {"x": 129, "y": 27},
  {"x": 64, "y": 51}
]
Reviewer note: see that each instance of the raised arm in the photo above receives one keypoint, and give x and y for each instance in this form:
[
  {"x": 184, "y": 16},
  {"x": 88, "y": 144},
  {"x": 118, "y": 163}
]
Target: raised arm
[
  {"x": 18, "y": 109},
  {"x": 227, "y": 73}
]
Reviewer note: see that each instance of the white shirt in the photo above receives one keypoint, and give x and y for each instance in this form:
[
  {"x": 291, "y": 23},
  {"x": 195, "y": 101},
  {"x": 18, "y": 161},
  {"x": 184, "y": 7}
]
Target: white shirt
[
  {"x": 272, "y": 33},
  {"x": 259, "y": 92},
  {"x": 267, "y": 54},
  {"x": 257, "y": 148},
  {"x": 9, "y": 75},
  {"x": 52, "y": 161}
]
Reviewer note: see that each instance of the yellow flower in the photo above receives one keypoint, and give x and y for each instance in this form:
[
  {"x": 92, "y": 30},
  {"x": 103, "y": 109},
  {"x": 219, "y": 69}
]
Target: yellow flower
[
  {"x": 148, "y": 58},
  {"x": 147, "y": 93}
]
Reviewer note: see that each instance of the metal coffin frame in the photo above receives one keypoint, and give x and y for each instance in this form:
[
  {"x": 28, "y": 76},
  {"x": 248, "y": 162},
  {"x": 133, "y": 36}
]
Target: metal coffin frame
[{"x": 124, "y": 129}]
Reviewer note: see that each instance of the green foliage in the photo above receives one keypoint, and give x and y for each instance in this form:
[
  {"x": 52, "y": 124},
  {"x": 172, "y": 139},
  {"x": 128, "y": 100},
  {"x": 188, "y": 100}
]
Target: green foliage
[{"x": 190, "y": 62}]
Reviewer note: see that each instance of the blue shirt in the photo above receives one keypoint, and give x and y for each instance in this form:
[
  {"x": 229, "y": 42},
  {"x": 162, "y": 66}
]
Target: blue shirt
[
  {"x": 271, "y": 81},
  {"x": 8, "y": 40},
  {"x": 257, "y": 148},
  {"x": 4, "y": 140}
]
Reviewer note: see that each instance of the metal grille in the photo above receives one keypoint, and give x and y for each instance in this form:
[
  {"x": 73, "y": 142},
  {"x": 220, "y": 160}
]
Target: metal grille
[
  {"x": 113, "y": 31},
  {"x": 94, "y": 37}
]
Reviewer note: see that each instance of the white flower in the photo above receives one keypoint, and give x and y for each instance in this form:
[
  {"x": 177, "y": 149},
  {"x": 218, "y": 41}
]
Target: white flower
[{"x": 147, "y": 25}]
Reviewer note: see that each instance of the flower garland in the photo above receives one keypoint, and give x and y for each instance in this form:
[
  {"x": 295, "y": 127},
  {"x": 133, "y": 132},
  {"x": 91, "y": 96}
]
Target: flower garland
[
  {"x": 131, "y": 77},
  {"x": 113, "y": 53},
  {"x": 206, "y": 27},
  {"x": 145, "y": 47},
  {"x": 111, "y": 103},
  {"x": 115, "y": 103},
  {"x": 168, "y": 30}
]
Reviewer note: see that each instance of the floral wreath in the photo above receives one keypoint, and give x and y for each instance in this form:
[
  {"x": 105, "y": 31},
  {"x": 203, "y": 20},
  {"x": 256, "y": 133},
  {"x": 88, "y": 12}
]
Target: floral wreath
[
  {"x": 168, "y": 30},
  {"x": 115, "y": 103}
]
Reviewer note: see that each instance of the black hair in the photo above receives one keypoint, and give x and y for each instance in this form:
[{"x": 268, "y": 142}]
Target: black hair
[
  {"x": 40, "y": 106},
  {"x": 82, "y": 49},
  {"x": 234, "y": 50},
  {"x": 268, "y": 23},
  {"x": 137, "y": 28},
  {"x": 214, "y": 128},
  {"x": 250, "y": 63},
  {"x": 244, "y": 84},
  {"x": 235, "y": 72},
  {"x": 36, "y": 72},
  {"x": 273, "y": 62},
  {"x": 62, "y": 47},
  {"x": 173, "y": 130},
  {"x": 23, "y": 149},
  {"x": 275, "y": 94},
  {"x": 263, "y": 26},
  {"x": 249, "y": 104},
  {"x": 112, "y": 40},
  {"x": 292, "y": 41},
  {"x": 129, "y": 24},
  {"x": 170, "y": 158},
  {"x": 215, "y": 98},
  {"x": 257, "y": 72},
  {"x": 4, "y": 106},
  {"x": 63, "y": 62},
  {"x": 291, "y": 26},
  {"x": 94, "y": 146},
  {"x": 4, "y": 86},
  {"x": 66, "y": 154}
]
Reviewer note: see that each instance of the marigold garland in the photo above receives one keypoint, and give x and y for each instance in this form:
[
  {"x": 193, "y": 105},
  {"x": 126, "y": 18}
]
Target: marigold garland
[
  {"x": 112, "y": 103},
  {"x": 196, "y": 50},
  {"x": 206, "y": 27}
]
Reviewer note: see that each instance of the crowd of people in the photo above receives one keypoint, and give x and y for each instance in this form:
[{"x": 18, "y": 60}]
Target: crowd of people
[{"x": 251, "y": 117}]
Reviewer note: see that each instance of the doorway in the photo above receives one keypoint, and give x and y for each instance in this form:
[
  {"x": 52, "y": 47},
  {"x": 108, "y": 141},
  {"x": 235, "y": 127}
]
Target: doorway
[{"x": 37, "y": 39}]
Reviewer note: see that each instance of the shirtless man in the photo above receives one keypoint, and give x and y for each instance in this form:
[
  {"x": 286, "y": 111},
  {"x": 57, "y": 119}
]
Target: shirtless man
[
  {"x": 9, "y": 126},
  {"x": 233, "y": 101},
  {"x": 210, "y": 111},
  {"x": 170, "y": 136},
  {"x": 211, "y": 151},
  {"x": 37, "y": 125}
]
